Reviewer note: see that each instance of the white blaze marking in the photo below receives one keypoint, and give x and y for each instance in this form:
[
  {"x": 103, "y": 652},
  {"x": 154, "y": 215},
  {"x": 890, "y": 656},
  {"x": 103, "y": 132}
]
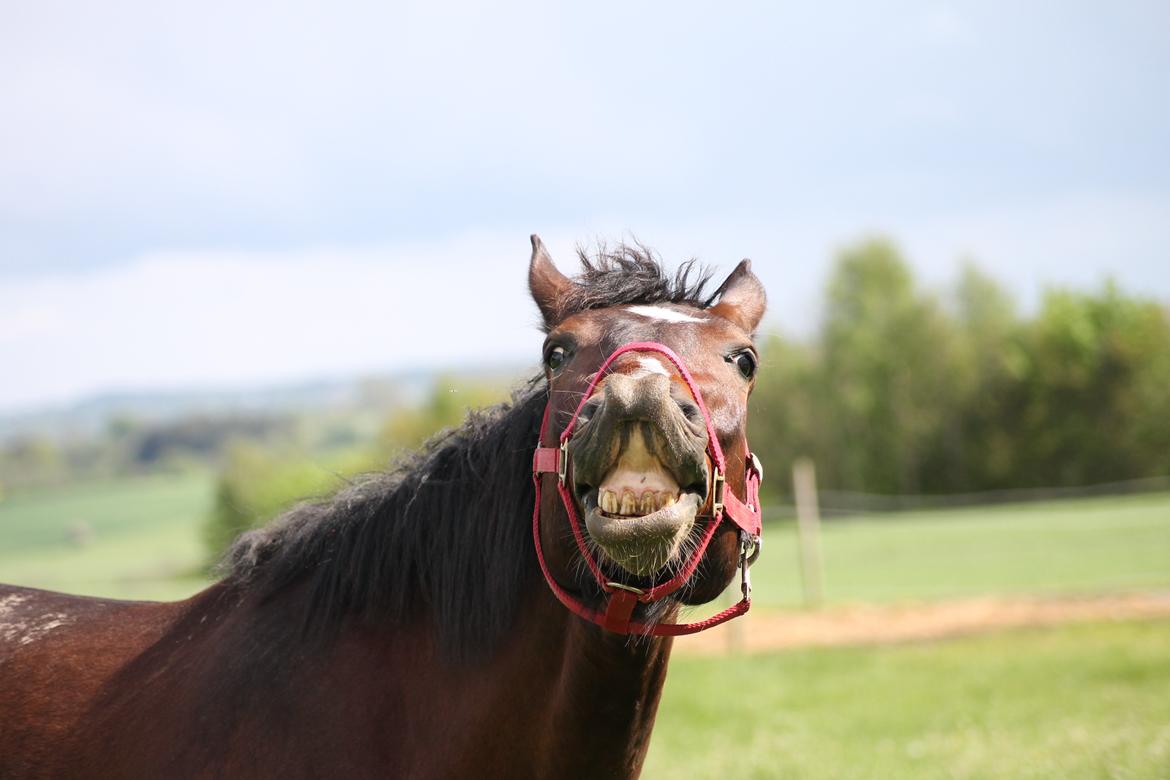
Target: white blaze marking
[
  {"x": 664, "y": 314},
  {"x": 652, "y": 366}
]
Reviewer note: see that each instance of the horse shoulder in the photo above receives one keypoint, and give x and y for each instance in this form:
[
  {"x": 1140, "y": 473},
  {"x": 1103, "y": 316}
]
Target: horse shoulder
[{"x": 56, "y": 653}]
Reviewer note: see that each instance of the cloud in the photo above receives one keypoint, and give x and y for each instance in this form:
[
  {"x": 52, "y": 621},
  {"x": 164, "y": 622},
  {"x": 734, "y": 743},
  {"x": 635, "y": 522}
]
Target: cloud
[
  {"x": 943, "y": 24},
  {"x": 227, "y": 317},
  {"x": 240, "y": 192},
  {"x": 230, "y": 317},
  {"x": 129, "y": 127}
]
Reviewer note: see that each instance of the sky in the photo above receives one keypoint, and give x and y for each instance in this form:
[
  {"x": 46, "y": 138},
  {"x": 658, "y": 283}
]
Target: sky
[{"x": 224, "y": 194}]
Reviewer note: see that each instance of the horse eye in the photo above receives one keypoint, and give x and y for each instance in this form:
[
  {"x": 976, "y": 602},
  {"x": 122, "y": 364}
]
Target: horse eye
[
  {"x": 746, "y": 363},
  {"x": 555, "y": 359}
]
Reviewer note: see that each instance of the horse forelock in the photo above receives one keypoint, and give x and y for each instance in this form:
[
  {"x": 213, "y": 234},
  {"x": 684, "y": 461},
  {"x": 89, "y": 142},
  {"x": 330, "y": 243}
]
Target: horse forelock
[{"x": 633, "y": 274}]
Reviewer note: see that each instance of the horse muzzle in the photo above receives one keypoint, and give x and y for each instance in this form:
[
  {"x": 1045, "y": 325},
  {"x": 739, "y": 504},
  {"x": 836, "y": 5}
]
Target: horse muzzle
[
  {"x": 667, "y": 526},
  {"x": 640, "y": 472}
]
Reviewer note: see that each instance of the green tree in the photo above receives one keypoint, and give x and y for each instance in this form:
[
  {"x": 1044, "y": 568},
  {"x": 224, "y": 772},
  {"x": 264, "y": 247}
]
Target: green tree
[
  {"x": 1089, "y": 401},
  {"x": 787, "y": 411},
  {"x": 35, "y": 460},
  {"x": 980, "y": 440},
  {"x": 255, "y": 485},
  {"x": 446, "y": 407},
  {"x": 890, "y": 374}
]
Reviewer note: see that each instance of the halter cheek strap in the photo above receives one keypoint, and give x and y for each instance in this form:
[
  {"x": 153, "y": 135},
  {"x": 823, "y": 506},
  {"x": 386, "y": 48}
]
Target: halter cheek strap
[{"x": 722, "y": 504}]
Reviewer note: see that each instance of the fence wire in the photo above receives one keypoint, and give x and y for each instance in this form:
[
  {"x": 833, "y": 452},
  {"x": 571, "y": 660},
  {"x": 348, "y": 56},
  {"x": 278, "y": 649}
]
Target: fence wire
[{"x": 847, "y": 503}]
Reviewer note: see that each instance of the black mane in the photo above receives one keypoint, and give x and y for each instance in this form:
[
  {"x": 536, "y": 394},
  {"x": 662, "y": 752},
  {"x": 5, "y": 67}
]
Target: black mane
[{"x": 447, "y": 531}]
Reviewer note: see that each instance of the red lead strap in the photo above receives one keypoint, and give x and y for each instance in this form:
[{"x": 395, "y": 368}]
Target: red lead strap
[{"x": 745, "y": 514}]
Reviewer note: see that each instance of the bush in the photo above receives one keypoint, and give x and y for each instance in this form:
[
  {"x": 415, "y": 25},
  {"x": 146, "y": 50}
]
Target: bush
[{"x": 256, "y": 485}]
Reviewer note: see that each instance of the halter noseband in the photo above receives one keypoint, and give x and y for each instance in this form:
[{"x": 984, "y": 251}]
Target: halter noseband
[{"x": 722, "y": 503}]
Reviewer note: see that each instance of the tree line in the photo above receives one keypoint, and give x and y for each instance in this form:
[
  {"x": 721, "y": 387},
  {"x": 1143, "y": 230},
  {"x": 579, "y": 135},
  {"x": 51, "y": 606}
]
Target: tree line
[
  {"x": 900, "y": 390},
  {"x": 903, "y": 390}
]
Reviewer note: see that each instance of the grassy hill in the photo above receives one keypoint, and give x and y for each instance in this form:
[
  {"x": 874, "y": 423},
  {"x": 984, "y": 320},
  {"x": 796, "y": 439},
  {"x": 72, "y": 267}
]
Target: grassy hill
[{"x": 132, "y": 538}]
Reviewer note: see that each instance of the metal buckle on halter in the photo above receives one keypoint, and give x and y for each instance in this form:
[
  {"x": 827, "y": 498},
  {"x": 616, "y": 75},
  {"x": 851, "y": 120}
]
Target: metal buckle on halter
[
  {"x": 756, "y": 544},
  {"x": 563, "y": 461},
  {"x": 718, "y": 483},
  {"x": 749, "y": 550}
]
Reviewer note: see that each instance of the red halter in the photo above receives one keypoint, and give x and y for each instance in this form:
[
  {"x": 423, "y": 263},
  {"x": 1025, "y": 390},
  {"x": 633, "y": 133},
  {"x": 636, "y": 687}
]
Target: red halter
[{"x": 723, "y": 502}]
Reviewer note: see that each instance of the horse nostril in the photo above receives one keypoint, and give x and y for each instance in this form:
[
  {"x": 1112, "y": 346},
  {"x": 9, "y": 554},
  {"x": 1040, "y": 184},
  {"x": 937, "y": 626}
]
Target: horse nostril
[
  {"x": 691, "y": 411},
  {"x": 588, "y": 410}
]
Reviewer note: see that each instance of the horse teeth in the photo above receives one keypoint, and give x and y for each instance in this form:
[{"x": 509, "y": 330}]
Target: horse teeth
[{"x": 633, "y": 503}]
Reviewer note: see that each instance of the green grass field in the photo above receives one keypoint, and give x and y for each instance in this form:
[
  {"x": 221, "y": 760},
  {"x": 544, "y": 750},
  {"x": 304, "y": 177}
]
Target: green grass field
[
  {"x": 1078, "y": 701},
  {"x": 147, "y": 544},
  {"x": 1071, "y": 547},
  {"x": 1084, "y": 701},
  {"x": 145, "y": 537}
]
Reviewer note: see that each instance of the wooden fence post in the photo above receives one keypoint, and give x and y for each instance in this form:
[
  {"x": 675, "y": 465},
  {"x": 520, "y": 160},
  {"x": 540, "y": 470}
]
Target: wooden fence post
[{"x": 808, "y": 527}]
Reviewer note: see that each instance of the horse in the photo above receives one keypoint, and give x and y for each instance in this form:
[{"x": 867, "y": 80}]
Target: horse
[{"x": 452, "y": 616}]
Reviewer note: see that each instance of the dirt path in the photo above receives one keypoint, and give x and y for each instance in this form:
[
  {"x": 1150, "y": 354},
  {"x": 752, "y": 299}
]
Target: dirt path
[{"x": 872, "y": 624}]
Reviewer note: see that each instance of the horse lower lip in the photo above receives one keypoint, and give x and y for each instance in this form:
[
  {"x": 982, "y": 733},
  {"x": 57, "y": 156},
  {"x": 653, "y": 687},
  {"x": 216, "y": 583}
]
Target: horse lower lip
[
  {"x": 643, "y": 545},
  {"x": 663, "y": 520}
]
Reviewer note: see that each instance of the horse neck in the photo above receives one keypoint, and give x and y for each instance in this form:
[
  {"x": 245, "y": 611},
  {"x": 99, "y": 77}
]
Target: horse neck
[
  {"x": 583, "y": 700},
  {"x": 558, "y": 698},
  {"x": 601, "y": 691},
  {"x": 611, "y": 695}
]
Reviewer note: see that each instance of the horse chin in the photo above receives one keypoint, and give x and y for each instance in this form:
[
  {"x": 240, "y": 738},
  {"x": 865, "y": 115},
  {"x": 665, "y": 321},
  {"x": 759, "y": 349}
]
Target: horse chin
[{"x": 642, "y": 545}]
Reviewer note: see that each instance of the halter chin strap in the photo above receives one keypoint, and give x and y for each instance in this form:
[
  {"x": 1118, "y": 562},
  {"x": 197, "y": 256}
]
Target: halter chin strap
[{"x": 722, "y": 503}]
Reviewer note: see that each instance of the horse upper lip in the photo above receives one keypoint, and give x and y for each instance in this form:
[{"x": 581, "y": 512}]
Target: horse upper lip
[{"x": 640, "y": 467}]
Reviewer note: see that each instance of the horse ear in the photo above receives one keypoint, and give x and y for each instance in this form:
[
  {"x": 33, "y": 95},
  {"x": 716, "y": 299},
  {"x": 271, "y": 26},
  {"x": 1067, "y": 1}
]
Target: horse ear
[
  {"x": 741, "y": 298},
  {"x": 546, "y": 283}
]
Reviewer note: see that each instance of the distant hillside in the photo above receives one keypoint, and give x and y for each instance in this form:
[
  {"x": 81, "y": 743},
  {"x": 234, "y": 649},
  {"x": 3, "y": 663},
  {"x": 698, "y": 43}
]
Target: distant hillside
[{"x": 91, "y": 415}]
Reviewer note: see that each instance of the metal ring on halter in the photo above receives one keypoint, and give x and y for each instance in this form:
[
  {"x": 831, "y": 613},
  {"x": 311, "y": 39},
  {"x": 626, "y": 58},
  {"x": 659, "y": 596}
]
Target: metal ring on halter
[
  {"x": 754, "y": 544},
  {"x": 759, "y": 467}
]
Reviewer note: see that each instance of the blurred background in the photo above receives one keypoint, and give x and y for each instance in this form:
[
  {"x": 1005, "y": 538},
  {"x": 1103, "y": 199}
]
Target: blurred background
[{"x": 247, "y": 251}]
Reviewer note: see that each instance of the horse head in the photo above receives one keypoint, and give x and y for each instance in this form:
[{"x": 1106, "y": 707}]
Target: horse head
[{"x": 642, "y": 386}]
